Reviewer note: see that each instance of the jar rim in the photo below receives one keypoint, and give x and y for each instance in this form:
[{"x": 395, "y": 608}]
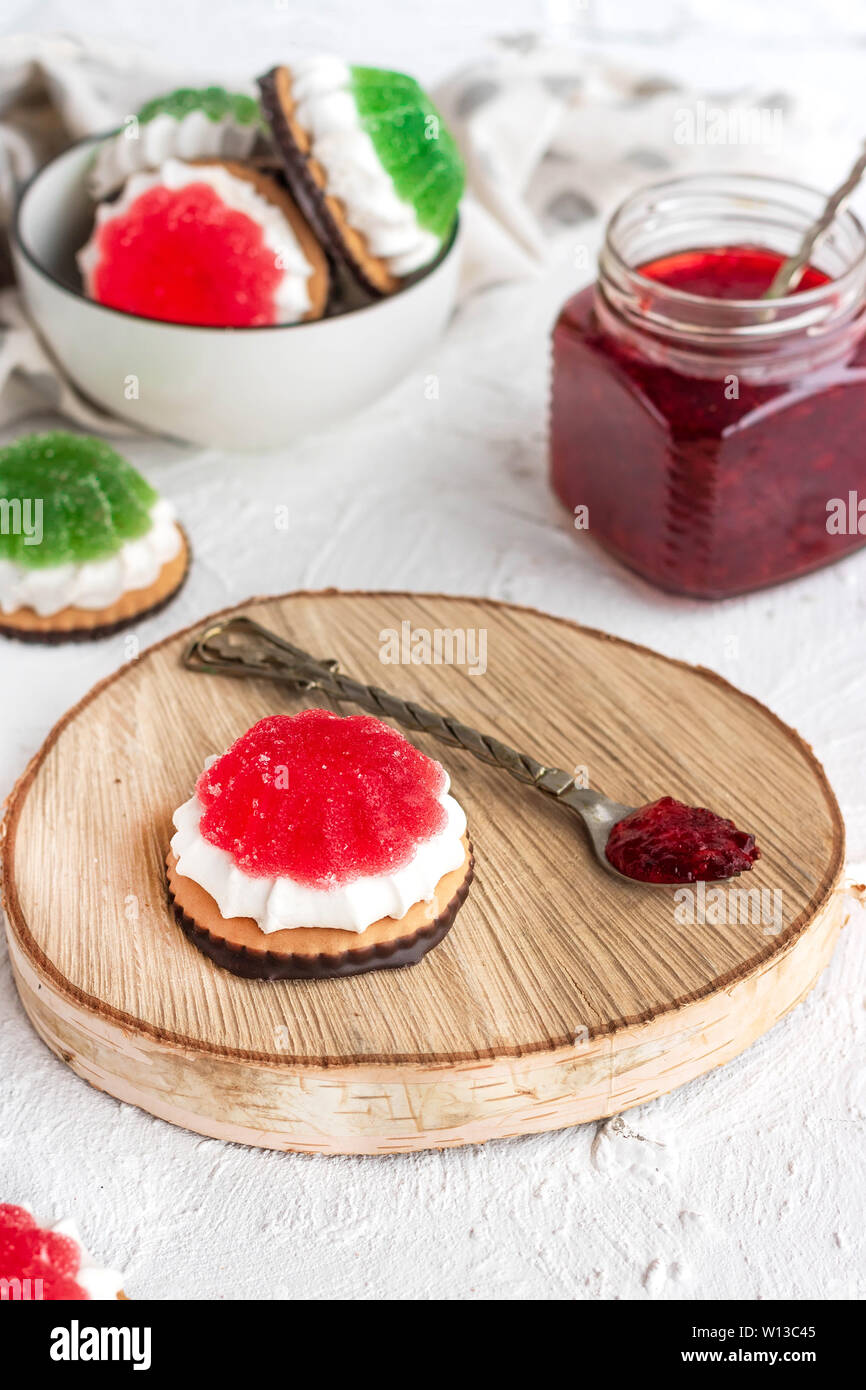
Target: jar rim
[{"x": 799, "y": 299}]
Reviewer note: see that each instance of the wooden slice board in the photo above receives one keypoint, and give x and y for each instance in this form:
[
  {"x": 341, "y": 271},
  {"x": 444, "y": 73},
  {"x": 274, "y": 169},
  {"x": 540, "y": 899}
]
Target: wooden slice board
[{"x": 559, "y": 996}]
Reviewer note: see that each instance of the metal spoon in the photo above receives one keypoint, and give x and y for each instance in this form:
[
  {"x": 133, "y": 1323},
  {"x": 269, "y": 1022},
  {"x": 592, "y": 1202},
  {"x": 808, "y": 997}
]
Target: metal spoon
[
  {"x": 790, "y": 272},
  {"x": 239, "y": 646}
]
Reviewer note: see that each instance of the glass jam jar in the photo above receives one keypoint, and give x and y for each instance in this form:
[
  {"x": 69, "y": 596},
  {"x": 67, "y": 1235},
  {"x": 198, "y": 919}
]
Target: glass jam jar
[{"x": 707, "y": 432}]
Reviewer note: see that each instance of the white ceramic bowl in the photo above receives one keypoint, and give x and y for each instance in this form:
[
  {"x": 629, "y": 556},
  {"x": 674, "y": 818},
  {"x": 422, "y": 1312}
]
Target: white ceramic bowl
[{"x": 243, "y": 388}]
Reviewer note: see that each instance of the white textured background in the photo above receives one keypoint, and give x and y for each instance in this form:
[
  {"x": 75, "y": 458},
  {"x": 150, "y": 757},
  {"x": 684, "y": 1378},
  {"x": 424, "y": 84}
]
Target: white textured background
[{"x": 745, "y": 1184}]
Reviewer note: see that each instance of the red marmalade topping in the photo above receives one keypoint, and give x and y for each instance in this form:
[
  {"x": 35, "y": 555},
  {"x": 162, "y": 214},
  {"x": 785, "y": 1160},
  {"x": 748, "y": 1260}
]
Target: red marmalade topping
[
  {"x": 47, "y": 1260},
  {"x": 321, "y": 799},
  {"x": 667, "y": 842},
  {"x": 183, "y": 255}
]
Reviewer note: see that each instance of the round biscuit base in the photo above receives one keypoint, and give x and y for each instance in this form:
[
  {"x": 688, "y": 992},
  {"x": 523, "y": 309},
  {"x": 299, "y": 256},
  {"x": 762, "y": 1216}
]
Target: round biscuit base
[
  {"x": 86, "y": 625},
  {"x": 306, "y": 178},
  {"x": 381, "y": 950}
]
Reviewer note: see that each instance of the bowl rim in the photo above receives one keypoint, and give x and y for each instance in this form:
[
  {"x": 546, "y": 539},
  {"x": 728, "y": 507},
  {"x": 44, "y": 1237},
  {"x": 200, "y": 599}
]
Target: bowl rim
[{"x": 20, "y": 246}]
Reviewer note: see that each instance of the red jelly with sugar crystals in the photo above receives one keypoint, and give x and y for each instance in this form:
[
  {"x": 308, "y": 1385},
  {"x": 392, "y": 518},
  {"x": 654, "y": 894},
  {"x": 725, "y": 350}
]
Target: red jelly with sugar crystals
[
  {"x": 183, "y": 255},
  {"x": 668, "y": 842},
  {"x": 706, "y": 432},
  {"x": 321, "y": 799},
  {"x": 36, "y": 1264}
]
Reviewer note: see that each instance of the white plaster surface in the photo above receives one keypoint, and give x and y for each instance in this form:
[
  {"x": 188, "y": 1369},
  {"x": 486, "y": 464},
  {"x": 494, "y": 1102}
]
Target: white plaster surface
[{"x": 745, "y": 1184}]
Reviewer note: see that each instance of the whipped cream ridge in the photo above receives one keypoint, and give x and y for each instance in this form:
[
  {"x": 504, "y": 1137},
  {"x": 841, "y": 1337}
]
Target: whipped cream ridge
[
  {"x": 99, "y": 583},
  {"x": 291, "y": 297},
  {"x": 278, "y": 904},
  {"x": 194, "y": 136},
  {"x": 326, "y": 109},
  {"x": 100, "y": 1283}
]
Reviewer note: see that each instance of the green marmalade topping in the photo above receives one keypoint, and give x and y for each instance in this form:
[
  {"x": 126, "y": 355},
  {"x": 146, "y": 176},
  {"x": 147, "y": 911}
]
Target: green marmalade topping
[
  {"x": 67, "y": 499},
  {"x": 416, "y": 148},
  {"x": 216, "y": 103}
]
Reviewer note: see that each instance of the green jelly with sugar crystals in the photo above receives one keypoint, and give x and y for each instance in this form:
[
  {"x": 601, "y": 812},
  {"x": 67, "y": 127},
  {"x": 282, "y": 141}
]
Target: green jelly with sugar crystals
[
  {"x": 413, "y": 143},
  {"x": 215, "y": 103},
  {"x": 92, "y": 500}
]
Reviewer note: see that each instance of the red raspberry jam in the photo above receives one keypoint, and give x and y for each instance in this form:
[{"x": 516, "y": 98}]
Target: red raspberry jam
[
  {"x": 668, "y": 842},
  {"x": 183, "y": 255},
  {"x": 321, "y": 799},
  {"x": 36, "y": 1264},
  {"x": 725, "y": 272},
  {"x": 707, "y": 432}
]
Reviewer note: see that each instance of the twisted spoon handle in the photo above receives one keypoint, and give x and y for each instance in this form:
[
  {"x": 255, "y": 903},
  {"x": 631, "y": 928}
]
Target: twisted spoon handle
[
  {"x": 446, "y": 729},
  {"x": 217, "y": 650}
]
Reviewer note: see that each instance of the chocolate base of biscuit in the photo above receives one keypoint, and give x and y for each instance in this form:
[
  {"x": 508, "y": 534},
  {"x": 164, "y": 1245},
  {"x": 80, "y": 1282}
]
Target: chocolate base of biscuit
[
  {"x": 389, "y": 954},
  {"x": 324, "y": 213},
  {"x": 41, "y": 633}
]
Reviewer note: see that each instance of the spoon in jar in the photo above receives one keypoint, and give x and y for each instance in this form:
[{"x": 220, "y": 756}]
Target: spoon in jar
[
  {"x": 790, "y": 272},
  {"x": 239, "y": 646}
]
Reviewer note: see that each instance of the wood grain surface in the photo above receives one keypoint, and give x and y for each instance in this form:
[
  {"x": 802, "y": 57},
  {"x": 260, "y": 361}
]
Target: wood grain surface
[{"x": 551, "y": 963}]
